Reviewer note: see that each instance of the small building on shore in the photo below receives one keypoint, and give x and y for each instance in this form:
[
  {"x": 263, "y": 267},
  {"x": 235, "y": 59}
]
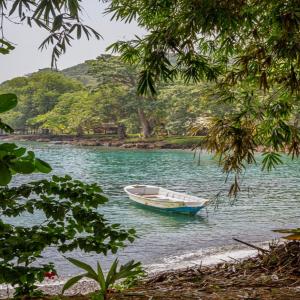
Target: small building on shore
[{"x": 106, "y": 128}]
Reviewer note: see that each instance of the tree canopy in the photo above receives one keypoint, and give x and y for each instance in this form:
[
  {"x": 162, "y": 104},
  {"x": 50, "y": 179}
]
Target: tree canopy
[
  {"x": 249, "y": 49},
  {"x": 37, "y": 94}
]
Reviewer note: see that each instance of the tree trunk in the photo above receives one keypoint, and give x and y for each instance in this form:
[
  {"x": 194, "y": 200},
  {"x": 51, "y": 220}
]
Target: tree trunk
[
  {"x": 122, "y": 132},
  {"x": 146, "y": 128},
  {"x": 79, "y": 130}
]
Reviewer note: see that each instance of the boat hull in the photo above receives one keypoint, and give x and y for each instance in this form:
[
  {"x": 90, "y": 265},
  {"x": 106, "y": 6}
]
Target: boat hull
[
  {"x": 177, "y": 210},
  {"x": 185, "y": 210}
]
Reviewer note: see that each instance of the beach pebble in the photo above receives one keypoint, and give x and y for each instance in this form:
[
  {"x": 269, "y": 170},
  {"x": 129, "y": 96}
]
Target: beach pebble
[{"x": 274, "y": 277}]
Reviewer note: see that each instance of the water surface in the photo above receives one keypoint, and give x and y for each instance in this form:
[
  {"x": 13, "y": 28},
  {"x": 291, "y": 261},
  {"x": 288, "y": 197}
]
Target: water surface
[{"x": 271, "y": 201}]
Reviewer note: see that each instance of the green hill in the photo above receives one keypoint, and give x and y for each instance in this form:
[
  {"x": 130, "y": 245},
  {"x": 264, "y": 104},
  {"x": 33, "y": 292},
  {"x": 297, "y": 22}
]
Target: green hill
[{"x": 80, "y": 73}]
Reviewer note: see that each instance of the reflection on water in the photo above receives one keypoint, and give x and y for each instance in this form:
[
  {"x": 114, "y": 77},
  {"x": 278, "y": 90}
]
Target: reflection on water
[
  {"x": 272, "y": 200},
  {"x": 169, "y": 219}
]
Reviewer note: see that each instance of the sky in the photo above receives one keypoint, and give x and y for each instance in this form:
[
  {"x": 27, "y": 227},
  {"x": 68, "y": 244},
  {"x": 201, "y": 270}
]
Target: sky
[{"x": 26, "y": 58}]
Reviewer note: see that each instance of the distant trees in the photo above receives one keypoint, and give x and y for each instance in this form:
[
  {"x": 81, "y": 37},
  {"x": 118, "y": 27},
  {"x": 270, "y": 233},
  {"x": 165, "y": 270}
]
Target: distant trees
[
  {"x": 182, "y": 106},
  {"x": 112, "y": 71},
  {"x": 82, "y": 111},
  {"x": 51, "y": 101},
  {"x": 38, "y": 94}
]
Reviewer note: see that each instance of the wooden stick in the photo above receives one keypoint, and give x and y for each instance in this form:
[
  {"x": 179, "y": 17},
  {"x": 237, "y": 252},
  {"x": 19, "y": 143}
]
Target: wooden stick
[{"x": 252, "y": 246}]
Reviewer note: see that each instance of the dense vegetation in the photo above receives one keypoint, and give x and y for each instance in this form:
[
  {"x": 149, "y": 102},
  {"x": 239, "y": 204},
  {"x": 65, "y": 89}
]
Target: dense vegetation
[{"x": 103, "y": 91}]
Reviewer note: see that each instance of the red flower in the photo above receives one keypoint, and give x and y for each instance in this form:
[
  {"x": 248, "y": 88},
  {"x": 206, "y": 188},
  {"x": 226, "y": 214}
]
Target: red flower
[{"x": 50, "y": 275}]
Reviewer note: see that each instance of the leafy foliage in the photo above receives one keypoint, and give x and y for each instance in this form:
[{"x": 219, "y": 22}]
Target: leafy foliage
[
  {"x": 14, "y": 159},
  {"x": 249, "y": 49},
  {"x": 7, "y": 102},
  {"x": 37, "y": 94},
  {"x": 70, "y": 222},
  {"x": 130, "y": 269}
]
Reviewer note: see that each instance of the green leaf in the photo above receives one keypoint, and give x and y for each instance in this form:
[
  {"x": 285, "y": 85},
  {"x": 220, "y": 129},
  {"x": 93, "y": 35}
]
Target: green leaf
[
  {"x": 129, "y": 269},
  {"x": 57, "y": 23},
  {"x": 110, "y": 278},
  {"x": 5, "y": 47},
  {"x": 55, "y": 178},
  {"x": 101, "y": 279},
  {"x": 5, "y": 174},
  {"x": 72, "y": 281},
  {"x": 146, "y": 83},
  {"x": 23, "y": 166},
  {"x": 7, "y": 102},
  {"x": 2, "y": 154},
  {"x": 271, "y": 160},
  {"x": 42, "y": 166},
  {"x": 83, "y": 266},
  {"x": 20, "y": 152},
  {"x": 6, "y": 127},
  {"x": 9, "y": 147},
  {"x": 31, "y": 154},
  {"x": 132, "y": 231}
]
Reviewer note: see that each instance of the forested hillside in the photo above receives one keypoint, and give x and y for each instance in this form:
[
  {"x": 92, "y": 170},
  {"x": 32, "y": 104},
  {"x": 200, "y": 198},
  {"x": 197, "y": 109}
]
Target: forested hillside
[{"x": 99, "y": 94}]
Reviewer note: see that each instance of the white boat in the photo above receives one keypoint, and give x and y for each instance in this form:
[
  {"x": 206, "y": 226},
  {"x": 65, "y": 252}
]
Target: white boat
[{"x": 166, "y": 200}]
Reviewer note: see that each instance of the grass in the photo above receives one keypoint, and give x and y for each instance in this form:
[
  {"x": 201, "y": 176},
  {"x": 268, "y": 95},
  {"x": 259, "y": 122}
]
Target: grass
[
  {"x": 185, "y": 140},
  {"x": 172, "y": 140}
]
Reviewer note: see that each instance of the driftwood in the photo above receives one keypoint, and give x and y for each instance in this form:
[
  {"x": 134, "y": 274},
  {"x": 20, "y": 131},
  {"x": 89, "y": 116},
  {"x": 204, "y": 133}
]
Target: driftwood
[
  {"x": 272, "y": 274},
  {"x": 251, "y": 245}
]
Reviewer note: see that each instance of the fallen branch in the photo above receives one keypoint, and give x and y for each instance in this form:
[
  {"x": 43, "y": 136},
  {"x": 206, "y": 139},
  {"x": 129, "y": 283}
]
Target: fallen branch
[{"x": 252, "y": 246}]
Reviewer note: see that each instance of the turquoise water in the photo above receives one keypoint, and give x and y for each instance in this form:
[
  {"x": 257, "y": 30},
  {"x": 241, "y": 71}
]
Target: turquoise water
[{"x": 269, "y": 201}]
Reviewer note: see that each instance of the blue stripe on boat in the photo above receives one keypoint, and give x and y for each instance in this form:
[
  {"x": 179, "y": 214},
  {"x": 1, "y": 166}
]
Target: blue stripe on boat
[
  {"x": 180, "y": 210},
  {"x": 184, "y": 210}
]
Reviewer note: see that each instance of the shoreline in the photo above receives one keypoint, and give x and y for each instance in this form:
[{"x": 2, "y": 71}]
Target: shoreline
[
  {"x": 269, "y": 273},
  {"x": 209, "y": 258},
  {"x": 153, "y": 143},
  {"x": 172, "y": 142}
]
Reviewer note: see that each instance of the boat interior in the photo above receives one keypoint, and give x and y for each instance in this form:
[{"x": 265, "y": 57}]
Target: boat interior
[{"x": 157, "y": 193}]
